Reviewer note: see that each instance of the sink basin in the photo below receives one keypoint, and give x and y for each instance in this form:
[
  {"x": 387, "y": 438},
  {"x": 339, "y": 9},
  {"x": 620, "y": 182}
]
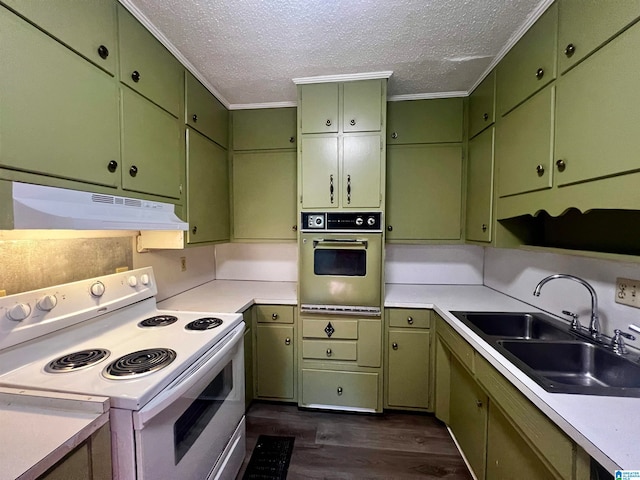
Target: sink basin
[
  {"x": 576, "y": 367},
  {"x": 516, "y": 325}
]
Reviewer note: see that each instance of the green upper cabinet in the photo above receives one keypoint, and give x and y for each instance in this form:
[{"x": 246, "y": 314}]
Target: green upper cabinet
[
  {"x": 530, "y": 64},
  {"x": 425, "y": 121},
  {"x": 319, "y": 104},
  {"x": 204, "y": 112},
  {"x": 319, "y": 171},
  {"x": 482, "y": 105},
  {"x": 264, "y": 195},
  {"x": 152, "y": 152},
  {"x": 362, "y": 106},
  {"x": 584, "y": 25},
  {"x": 361, "y": 171},
  {"x": 208, "y": 190},
  {"x": 598, "y": 113},
  {"x": 88, "y": 27},
  {"x": 264, "y": 129},
  {"x": 524, "y": 146},
  {"x": 424, "y": 192},
  {"x": 59, "y": 113},
  {"x": 480, "y": 187},
  {"x": 148, "y": 67}
]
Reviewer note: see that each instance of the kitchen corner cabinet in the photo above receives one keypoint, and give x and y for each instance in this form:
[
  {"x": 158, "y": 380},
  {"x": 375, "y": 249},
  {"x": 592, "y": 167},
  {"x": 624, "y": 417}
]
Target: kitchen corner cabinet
[
  {"x": 425, "y": 121},
  {"x": 264, "y": 129},
  {"x": 482, "y": 108},
  {"x": 424, "y": 192},
  {"x": 275, "y": 352},
  {"x": 408, "y": 359},
  {"x": 207, "y": 190},
  {"x": 204, "y": 113},
  {"x": 480, "y": 187}
]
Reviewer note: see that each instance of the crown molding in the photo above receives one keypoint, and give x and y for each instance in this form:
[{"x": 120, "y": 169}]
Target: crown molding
[
  {"x": 252, "y": 106},
  {"x": 427, "y": 96},
  {"x": 347, "y": 77}
]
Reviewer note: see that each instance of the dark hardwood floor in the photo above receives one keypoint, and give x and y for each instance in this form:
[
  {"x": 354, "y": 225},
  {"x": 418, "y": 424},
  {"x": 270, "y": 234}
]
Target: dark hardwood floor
[{"x": 356, "y": 446}]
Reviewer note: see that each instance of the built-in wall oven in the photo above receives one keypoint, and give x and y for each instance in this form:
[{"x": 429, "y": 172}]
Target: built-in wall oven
[{"x": 341, "y": 263}]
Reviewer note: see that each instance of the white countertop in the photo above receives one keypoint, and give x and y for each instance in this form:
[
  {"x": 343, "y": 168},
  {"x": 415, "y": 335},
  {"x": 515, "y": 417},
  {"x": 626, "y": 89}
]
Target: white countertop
[{"x": 40, "y": 428}]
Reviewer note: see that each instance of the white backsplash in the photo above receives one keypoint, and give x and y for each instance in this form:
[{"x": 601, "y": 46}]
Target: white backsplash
[
  {"x": 517, "y": 272},
  {"x": 270, "y": 262},
  {"x": 434, "y": 264}
]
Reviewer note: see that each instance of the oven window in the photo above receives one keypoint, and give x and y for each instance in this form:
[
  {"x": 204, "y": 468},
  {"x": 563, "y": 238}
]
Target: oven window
[
  {"x": 343, "y": 262},
  {"x": 196, "y": 418}
]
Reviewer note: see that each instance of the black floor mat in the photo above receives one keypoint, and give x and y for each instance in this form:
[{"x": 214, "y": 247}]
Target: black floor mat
[{"x": 270, "y": 458}]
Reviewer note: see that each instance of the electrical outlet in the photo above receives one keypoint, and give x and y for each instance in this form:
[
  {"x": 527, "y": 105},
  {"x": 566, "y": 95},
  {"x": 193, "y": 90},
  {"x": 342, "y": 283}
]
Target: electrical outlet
[
  {"x": 3, "y": 293},
  {"x": 183, "y": 264},
  {"x": 122, "y": 269},
  {"x": 627, "y": 292}
]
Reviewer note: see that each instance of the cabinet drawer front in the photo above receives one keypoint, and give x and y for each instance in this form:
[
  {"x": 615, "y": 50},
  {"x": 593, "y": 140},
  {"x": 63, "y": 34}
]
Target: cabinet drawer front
[
  {"x": 339, "y": 329},
  {"x": 319, "y": 108},
  {"x": 205, "y": 113},
  {"x": 456, "y": 344},
  {"x": 543, "y": 435},
  {"x": 356, "y": 390},
  {"x": 482, "y": 105},
  {"x": 409, "y": 317},
  {"x": 424, "y": 121},
  {"x": 362, "y": 111},
  {"x": 264, "y": 129},
  {"x": 274, "y": 313},
  {"x": 328, "y": 350}
]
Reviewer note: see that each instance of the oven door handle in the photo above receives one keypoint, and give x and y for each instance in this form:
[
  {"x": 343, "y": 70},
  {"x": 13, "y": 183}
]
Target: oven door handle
[
  {"x": 347, "y": 241},
  {"x": 188, "y": 378}
]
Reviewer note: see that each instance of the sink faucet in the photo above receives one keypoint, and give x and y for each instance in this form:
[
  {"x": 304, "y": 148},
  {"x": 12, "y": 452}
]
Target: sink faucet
[{"x": 594, "y": 326}]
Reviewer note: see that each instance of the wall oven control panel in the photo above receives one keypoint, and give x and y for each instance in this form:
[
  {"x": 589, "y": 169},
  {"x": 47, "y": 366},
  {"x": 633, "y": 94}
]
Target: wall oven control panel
[{"x": 341, "y": 221}]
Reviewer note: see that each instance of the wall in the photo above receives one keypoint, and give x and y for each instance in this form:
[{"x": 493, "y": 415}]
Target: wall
[
  {"x": 517, "y": 272},
  {"x": 271, "y": 262}
]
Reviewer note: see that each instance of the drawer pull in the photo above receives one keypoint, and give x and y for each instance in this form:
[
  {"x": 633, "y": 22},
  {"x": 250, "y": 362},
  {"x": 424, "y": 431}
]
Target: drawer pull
[
  {"x": 274, "y": 316},
  {"x": 339, "y": 390},
  {"x": 329, "y": 352},
  {"x": 410, "y": 320},
  {"x": 394, "y": 345},
  {"x": 287, "y": 341}
]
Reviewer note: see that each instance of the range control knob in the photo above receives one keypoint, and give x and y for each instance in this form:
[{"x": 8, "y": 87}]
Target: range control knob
[
  {"x": 144, "y": 279},
  {"x": 19, "y": 312},
  {"x": 359, "y": 221},
  {"x": 132, "y": 281},
  {"x": 371, "y": 221},
  {"x": 318, "y": 221},
  {"x": 47, "y": 303},
  {"x": 97, "y": 289}
]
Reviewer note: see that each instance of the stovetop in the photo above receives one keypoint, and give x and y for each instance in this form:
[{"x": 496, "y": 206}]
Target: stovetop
[{"x": 111, "y": 330}]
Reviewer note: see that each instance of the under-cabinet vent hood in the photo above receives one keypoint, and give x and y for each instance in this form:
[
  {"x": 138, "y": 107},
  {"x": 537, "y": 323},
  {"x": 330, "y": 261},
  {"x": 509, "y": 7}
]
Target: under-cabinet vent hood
[{"x": 40, "y": 207}]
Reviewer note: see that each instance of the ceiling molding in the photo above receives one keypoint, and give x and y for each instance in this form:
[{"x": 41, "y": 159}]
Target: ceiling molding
[
  {"x": 427, "y": 96},
  {"x": 347, "y": 77},
  {"x": 252, "y": 106},
  {"x": 517, "y": 35},
  {"x": 135, "y": 11}
]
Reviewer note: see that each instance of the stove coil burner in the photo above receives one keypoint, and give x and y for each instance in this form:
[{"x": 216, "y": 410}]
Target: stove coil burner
[
  {"x": 140, "y": 363},
  {"x": 77, "y": 360},
  {"x": 158, "y": 321},
  {"x": 205, "y": 323}
]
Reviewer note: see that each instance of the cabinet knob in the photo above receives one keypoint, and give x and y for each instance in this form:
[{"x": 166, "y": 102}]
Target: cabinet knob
[
  {"x": 394, "y": 345},
  {"x": 394, "y": 135},
  {"x": 570, "y": 50},
  {"x": 112, "y": 166},
  {"x": 135, "y": 76},
  {"x": 484, "y": 227},
  {"x": 479, "y": 403},
  {"x": 561, "y": 164},
  {"x": 274, "y": 316},
  {"x": 352, "y": 122},
  {"x": 329, "y": 352},
  {"x": 328, "y": 122},
  {"x": 195, "y": 117},
  {"x": 410, "y": 320},
  {"x": 540, "y": 170},
  {"x": 292, "y": 139},
  {"x": 287, "y": 341},
  {"x": 103, "y": 52},
  {"x": 294, "y": 228},
  {"x": 485, "y": 116},
  {"x": 194, "y": 230},
  {"x": 339, "y": 390},
  {"x": 539, "y": 73},
  {"x": 390, "y": 228},
  {"x": 133, "y": 171}
]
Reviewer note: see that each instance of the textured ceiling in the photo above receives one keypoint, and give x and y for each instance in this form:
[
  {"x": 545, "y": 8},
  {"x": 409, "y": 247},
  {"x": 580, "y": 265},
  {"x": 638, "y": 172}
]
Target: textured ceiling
[{"x": 249, "y": 51}]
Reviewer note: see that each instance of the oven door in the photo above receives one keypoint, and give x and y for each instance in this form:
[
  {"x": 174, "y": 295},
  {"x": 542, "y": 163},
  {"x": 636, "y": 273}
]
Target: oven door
[
  {"x": 340, "y": 269},
  {"x": 182, "y": 433}
]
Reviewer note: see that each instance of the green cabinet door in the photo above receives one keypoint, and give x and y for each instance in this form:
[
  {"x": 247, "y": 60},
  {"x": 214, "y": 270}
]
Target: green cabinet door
[
  {"x": 362, "y": 106},
  {"x": 88, "y": 27},
  {"x": 40, "y": 79},
  {"x": 424, "y": 192},
  {"x": 530, "y": 64},
  {"x": 408, "y": 372},
  {"x": 319, "y": 108},
  {"x": 482, "y": 105},
  {"x": 274, "y": 361},
  {"x": 204, "y": 112},
  {"x": 584, "y": 25},
  {"x": 480, "y": 187},
  {"x": 524, "y": 146},
  {"x": 207, "y": 190},
  {"x": 152, "y": 156},
  {"x": 319, "y": 172},
  {"x": 361, "y": 171},
  {"x": 425, "y": 121},
  {"x": 598, "y": 113},
  {"x": 264, "y": 195},
  {"x": 264, "y": 129},
  {"x": 148, "y": 67},
  {"x": 248, "y": 357},
  {"x": 468, "y": 418}
]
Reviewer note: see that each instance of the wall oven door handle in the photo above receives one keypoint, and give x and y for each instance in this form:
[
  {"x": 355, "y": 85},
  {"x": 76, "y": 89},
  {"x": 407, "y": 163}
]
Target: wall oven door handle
[
  {"x": 189, "y": 378},
  {"x": 346, "y": 241}
]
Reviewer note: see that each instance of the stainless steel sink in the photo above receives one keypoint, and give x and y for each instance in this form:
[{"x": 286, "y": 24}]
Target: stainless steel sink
[{"x": 516, "y": 325}]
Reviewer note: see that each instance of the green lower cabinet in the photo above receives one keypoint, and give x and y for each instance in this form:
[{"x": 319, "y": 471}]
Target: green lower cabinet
[
  {"x": 274, "y": 363},
  {"x": 480, "y": 187},
  {"x": 408, "y": 371},
  {"x": 335, "y": 389}
]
